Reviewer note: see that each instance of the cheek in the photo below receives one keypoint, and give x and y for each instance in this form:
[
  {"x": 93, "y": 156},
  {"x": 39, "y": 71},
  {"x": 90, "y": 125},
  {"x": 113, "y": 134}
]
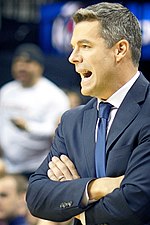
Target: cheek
[
  {"x": 7, "y": 206},
  {"x": 98, "y": 63},
  {"x": 13, "y": 71}
]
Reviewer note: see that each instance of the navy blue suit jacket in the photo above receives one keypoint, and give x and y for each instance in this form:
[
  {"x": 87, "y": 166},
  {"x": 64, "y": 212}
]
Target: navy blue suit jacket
[{"x": 128, "y": 152}]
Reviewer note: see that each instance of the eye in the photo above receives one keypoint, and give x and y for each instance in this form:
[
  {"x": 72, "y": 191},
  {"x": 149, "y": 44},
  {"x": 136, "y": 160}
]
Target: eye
[
  {"x": 3, "y": 194},
  {"x": 85, "y": 46}
]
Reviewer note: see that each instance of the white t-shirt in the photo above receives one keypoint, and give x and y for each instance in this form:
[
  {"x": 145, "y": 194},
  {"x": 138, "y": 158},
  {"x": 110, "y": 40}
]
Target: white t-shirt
[{"x": 40, "y": 105}]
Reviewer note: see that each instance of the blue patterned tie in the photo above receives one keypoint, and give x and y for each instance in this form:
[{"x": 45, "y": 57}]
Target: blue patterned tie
[{"x": 100, "y": 150}]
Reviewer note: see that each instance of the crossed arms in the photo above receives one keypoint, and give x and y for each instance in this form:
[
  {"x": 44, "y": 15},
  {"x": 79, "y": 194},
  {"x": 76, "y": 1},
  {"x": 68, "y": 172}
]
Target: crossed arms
[{"x": 64, "y": 168}]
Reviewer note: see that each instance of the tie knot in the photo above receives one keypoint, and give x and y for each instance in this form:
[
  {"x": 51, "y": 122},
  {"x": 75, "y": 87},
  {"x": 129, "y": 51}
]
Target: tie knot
[{"x": 104, "y": 110}]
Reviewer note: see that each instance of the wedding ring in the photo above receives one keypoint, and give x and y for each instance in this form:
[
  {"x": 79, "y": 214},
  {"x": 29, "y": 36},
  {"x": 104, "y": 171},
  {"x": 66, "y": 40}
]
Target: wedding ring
[{"x": 60, "y": 178}]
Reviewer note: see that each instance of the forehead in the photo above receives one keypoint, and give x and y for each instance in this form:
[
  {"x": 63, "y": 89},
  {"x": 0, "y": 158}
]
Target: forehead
[
  {"x": 22, "y": 59},
  {"x": 86, "y": 30},
  {"x": 7, "y": 184}
]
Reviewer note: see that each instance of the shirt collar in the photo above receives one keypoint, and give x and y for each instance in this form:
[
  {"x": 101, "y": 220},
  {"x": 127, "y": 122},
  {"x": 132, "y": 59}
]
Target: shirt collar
[{"x": 117, "y": 98}]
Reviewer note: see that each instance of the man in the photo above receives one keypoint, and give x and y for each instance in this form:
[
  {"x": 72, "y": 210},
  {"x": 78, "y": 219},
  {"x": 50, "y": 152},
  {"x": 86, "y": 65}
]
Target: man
[
  {"x": 12, "y": 203},
  {"x": 106, "y": 45},
  {"x": 30, "y": 107}
]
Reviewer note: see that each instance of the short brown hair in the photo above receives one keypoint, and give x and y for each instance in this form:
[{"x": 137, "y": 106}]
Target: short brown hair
[{"x": 116, "y": 23}]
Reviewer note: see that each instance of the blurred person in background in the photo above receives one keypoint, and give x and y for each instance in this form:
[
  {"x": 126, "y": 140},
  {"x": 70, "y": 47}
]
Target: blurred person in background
[
  {"x": 13, "y": 209},
  {"x": 74, "y": 98},
  {"x": 12, "y": 199},
  {"x": 30, "y": 107}
]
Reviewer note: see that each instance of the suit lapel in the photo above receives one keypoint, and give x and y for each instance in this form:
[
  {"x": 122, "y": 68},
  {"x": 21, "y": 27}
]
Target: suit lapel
[
  {"x": 122, "y": 119},
  {"x": 89, "y": 124},
  {"x": 128, "y": 110}
]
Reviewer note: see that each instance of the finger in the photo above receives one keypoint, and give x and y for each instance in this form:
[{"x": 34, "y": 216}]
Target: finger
[
  {"x": 51, "y": 175},
  {"x": 63, "y": 168},
  {"x": 55, "y": 170},
  {"x": 70, "y": 165},
  {"x": 61, "y": 178}
]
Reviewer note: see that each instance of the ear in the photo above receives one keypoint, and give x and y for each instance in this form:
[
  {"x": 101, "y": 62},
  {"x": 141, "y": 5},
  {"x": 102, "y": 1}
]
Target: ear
[{"x": 121, "y": 49}]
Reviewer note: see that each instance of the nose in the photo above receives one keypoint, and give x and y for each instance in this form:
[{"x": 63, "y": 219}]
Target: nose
[{"x": 75, "y": 57}]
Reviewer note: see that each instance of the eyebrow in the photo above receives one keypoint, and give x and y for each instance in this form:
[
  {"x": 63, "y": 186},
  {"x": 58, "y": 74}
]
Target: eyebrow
[{"x": 85, "y": 41}]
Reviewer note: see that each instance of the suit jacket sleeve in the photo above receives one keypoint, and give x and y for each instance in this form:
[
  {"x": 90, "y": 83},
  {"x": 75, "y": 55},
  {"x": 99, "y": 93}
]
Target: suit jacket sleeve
[{"x": 52, "y": 200}]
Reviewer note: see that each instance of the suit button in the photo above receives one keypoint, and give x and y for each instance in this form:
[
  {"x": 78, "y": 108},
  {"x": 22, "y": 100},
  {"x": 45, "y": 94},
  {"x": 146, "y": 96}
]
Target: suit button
[
  {"x": 66, "y": 204},
  {"x": 70, "y": 204},
  {"x": 62, "y": 205}
]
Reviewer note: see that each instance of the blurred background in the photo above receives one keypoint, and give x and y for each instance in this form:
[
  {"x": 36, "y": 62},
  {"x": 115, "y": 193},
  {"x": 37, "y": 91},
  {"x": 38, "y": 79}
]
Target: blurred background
[{"x": 48, "y": 24}]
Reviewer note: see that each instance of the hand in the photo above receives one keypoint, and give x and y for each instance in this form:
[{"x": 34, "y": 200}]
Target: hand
[
  {"x": 62, "y": 169},
  {"x": 101, "y": 187},
  {"x": 19, "y": 123}
]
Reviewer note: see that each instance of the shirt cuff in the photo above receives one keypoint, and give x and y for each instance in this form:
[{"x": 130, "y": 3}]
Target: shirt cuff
[{"x": 85, "y": 199}]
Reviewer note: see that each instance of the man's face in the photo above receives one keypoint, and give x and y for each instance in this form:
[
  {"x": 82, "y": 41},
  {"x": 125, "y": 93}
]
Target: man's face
[
  {"x": 26, "y": 71},
  {"x": 92, "y": 59},
  {"x": 9, "y": 198}
]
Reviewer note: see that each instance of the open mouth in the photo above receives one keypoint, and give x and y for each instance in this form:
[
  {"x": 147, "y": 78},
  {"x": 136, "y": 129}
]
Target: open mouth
[{"x": 86, "y": 74}]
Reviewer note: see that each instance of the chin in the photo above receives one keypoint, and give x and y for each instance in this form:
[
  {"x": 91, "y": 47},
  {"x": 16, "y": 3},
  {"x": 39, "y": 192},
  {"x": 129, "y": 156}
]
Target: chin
[{"x": 86, "y": 92}]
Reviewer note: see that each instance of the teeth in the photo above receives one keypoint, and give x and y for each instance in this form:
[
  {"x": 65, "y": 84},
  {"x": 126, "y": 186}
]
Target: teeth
[{"x": 84, "y": 73}]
